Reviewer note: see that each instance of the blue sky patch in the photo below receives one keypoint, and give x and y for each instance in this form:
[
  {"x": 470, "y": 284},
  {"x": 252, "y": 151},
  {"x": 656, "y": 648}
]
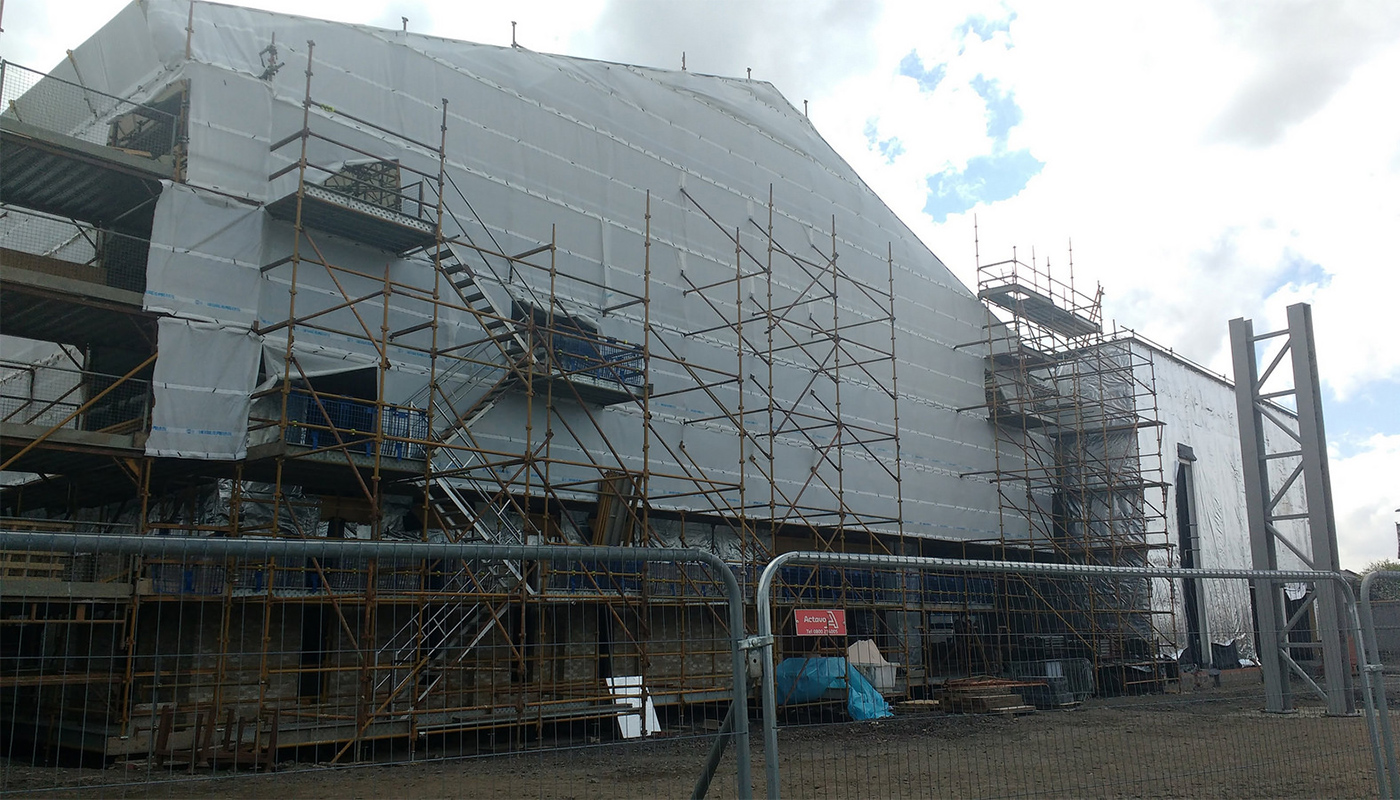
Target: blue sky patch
[
  {"x": 987, "y": 179},
  {"x": 1002, "y": 112},
  {"x": 890, "y": 148},
  {"x": 1368, "y": 411},
  {"x": 985, "y": 28},
  {"x": 928, "y": 78},
  {"x": 999, "y": 175},
  {"x": 1297, "y": 271}
]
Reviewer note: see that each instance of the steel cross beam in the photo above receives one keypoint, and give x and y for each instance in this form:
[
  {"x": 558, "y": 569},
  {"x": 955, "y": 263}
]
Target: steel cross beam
[{"x": 1273, "y": 501}]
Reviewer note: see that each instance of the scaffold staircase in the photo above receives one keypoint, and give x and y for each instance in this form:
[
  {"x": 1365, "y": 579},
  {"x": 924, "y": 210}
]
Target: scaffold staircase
[
  {"x": 441, "y": 634},
  {"x": 467, "y": 500}
]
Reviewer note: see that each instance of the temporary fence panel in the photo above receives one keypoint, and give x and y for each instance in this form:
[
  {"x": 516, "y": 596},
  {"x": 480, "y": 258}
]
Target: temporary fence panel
[
  {"x": 179, "y": 664},
  {"x": 953, "y": 696},
  {"x": 1380, "y": 618}
]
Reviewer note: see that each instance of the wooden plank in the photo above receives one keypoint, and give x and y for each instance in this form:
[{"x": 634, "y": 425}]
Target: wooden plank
[
  {"x": 1004, "y": 704},
  {"x": 917, "y": 707},
  {"x": 24, "y": 524},
  {"x": 53, "y": 266},
  {"x": 51, "y": 588}
]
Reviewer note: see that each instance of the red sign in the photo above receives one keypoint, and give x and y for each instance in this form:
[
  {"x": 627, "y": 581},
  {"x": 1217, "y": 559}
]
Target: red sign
[{"x": 821, "y": 622}]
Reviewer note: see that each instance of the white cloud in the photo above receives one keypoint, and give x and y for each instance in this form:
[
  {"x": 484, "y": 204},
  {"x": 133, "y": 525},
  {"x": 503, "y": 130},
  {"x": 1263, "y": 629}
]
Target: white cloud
[
  {"x": 1122, "y": 104},
  {"x": 1186, "y": 227},
  {"x": 1365, "y": 495},
  {"x": 1303, "y": 52},
  {"x": 38, "y": 32}
]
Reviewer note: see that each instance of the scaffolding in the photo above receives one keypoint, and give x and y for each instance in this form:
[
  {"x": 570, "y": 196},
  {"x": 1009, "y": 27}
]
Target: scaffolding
[
  {"x": 419, "y": 380},
  {"x": 505, "y": 441},
  {"x": 558, "y": 478},
  {"x": 827, "y": 332},
  {"x": 1078, "y": 475},
  {"x": 488, "y": 407}
]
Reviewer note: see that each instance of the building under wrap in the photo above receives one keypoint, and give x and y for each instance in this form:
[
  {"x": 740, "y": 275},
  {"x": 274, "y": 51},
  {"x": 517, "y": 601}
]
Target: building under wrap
[{"x": 274, "y": 276}]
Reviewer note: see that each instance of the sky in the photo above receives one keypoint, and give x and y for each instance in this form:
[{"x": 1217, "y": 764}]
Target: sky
[{"x": 1208, "y": 159}]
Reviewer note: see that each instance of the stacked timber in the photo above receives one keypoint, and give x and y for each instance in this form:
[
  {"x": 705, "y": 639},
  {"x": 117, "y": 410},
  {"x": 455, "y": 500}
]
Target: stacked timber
[
  {"x": 917, "y": 706},
  {"x": 984, "y": 696}
]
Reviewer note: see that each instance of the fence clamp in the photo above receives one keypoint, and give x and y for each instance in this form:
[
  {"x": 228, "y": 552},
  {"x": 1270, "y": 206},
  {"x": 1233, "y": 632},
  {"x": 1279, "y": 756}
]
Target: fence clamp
[{"x": 755, "y": 642}]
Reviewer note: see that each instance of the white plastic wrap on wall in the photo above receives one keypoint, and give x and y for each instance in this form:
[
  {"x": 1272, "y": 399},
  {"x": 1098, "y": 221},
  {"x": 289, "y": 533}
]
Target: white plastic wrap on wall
[
  {"x": 202, "y": 383},
  {"x": 206, "y": 251},
  {"x": 545, "y": 145},
  {"x": 1198, "y": 409}
]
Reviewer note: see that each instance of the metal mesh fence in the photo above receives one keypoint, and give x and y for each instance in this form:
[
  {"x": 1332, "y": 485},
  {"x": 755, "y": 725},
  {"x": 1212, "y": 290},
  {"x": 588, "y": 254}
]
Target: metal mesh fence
[
  {"x": 1190, "y": 741},
  {"x": 324, "y": 420},
  {"x": 357, "y": 669},
  {"x": 44, "y": 101},
  {"x": 192, "y": 667},
  {"x": 71, "y": 249},
  {"x": 952, "y": 695},
  {"x": 1379, "y": 599},
  {"x": 49, "y": 392}
]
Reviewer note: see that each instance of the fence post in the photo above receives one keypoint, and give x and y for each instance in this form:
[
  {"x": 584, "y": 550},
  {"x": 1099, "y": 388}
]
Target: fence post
[{"x": 1372, "y": 666}]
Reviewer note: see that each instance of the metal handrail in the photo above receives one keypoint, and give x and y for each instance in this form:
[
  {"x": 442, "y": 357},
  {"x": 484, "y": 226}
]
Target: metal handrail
[
  {"x": 77, "y": 411},
  {"x": 114, "y": 105}
]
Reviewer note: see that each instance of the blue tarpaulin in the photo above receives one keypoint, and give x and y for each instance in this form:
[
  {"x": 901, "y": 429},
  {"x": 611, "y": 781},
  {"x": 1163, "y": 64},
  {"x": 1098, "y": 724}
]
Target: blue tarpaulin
[{"x": 804, "y": 680}]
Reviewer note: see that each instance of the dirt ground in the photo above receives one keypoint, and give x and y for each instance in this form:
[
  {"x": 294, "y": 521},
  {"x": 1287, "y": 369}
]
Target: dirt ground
[{"x": 1211, "y": 744}]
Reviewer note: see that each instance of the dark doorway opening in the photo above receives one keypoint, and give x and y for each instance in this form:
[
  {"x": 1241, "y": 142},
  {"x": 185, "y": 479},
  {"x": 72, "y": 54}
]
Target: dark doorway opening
[{"x": 1188, "y": 545}]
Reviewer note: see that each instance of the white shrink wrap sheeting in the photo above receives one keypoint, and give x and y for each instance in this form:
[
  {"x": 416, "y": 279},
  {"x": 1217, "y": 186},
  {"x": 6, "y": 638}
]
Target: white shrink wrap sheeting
[
  {"x": 1197, "y": 409},
  {"x": 205, "y": 254},
  {"x": 546, "y": 146},
  {"x": 203, "y": 382}
]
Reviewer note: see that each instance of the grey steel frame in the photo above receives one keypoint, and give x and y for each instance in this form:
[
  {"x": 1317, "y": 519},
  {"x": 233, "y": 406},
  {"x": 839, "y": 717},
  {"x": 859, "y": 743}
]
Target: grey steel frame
[
  {"x": 764, "y": 638},
  {"x": 181, "y": 546},
  {"x": 1390, "y": 783},
  {"x": 1255, "y": 405}
]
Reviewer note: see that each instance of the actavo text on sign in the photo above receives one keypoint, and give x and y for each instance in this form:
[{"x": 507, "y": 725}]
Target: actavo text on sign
[{"x": 821, "y": 621}]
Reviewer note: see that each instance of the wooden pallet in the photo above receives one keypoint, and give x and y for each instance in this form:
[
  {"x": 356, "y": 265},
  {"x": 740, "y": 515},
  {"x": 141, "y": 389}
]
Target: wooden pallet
[
  {"x": 31, "y": 564},
  {"x": 1008, "y": 704},
  {"x": 211, "y": 747}
]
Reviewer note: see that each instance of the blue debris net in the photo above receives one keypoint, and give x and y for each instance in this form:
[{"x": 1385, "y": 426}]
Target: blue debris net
[{"x": 806, "y": 680}]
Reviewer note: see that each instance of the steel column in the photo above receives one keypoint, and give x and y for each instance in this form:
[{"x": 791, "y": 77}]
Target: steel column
[
  {"x": 1268, "y": 596},
  {"x": 1322, "y": 526},
  {"x": 1255, "y": 405}
]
